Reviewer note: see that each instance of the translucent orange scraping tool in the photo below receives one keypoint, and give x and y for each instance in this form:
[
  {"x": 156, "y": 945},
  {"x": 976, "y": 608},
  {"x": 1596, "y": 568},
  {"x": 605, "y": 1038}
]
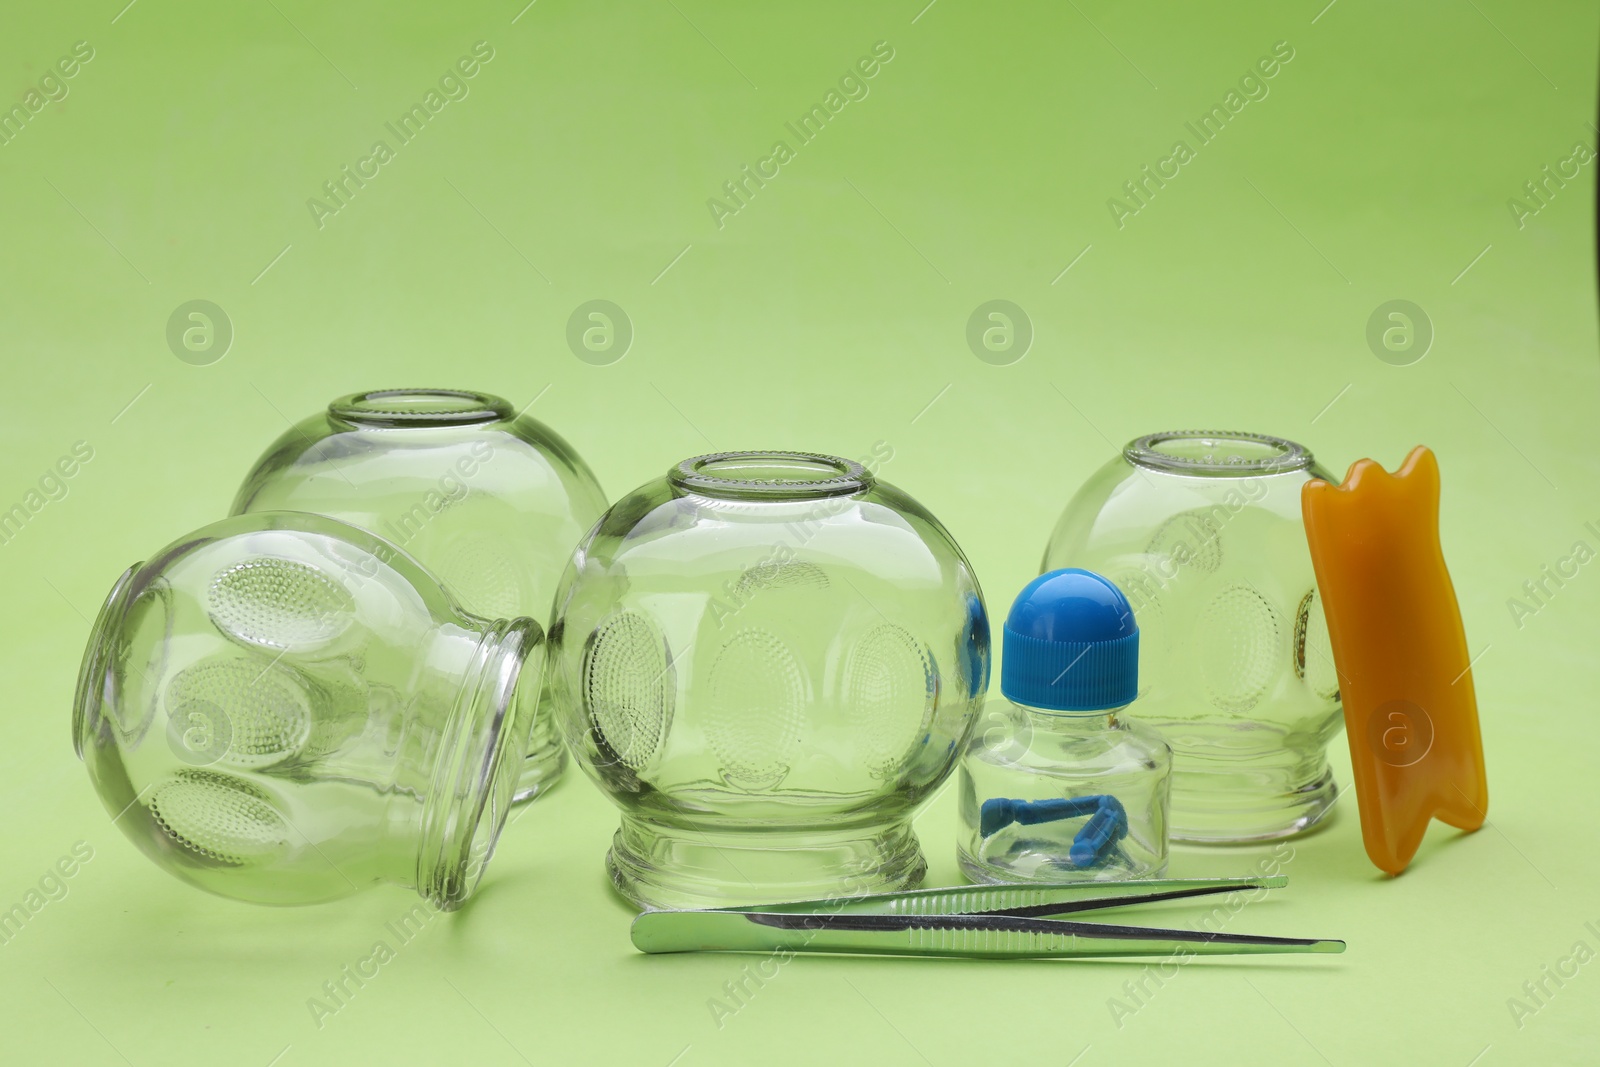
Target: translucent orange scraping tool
[{"x": 1401, "y": 653}]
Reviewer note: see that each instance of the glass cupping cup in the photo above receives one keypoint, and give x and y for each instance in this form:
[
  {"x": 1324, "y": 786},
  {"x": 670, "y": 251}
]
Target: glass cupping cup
[
  {"x": 768, "y": 660},
  {"x": 491, "y": 502},
  {"x": 284, "y": 709},
  {"x": 1202, "y": 531}
]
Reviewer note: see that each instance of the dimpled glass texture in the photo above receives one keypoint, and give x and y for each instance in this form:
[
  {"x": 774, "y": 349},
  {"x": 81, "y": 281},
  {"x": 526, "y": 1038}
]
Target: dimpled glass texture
[
  {"x": 284, "y": 709},
  {"x": 767, "y": 660},
  {"x": 489, "y": 501},
  {"x": 1202, "y": 531}
]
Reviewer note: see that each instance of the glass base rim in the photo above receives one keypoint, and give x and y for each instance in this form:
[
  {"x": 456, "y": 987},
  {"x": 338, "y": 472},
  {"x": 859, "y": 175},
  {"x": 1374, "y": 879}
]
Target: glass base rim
[
  {"x": 818, "y": 863},
  {"x": 1309, "y": 809}
]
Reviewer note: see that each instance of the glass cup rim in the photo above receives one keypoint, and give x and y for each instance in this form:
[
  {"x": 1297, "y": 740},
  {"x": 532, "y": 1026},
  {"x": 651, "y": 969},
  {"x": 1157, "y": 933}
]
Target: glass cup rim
[
  {"x": 1283, "y": 455},
  {"x": 97, "y": 655},
  {"x": 830, "y": 475},
  {"x": 391, "y": 408}
]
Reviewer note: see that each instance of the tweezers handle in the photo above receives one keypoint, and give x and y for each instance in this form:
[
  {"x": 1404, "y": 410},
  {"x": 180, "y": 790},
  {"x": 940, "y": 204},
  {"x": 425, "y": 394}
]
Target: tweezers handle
[
  {"x": 1036, "y": 898},
  {"x": 970, "y": 936}
]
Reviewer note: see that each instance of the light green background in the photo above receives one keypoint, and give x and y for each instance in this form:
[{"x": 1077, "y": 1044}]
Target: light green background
[{"x": 828, "y": 314}]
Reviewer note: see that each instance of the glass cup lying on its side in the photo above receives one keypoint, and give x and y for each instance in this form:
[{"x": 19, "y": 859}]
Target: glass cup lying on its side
[{"x": 284, "y": 709}]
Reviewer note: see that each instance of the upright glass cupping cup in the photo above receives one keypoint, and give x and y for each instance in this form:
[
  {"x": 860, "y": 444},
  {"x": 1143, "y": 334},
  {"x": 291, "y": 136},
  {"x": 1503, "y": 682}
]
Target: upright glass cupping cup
[
  {"x": 1202, "y": 531},
  {"x": 284, "y": 709},
  {"x": 490, "y": 502},
  {"x": 767, "y": 660}
]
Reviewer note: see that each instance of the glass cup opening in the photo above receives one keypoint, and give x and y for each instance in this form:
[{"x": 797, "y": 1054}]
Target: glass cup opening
[
  {"x": 785, "y": 475},
  {"x": 396, "y": 408},
  {"x": 1204, "y": 453}
]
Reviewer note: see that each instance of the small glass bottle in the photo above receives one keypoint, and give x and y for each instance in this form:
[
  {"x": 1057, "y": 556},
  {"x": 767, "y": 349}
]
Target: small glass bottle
[{"x": 1060, "y": 787}]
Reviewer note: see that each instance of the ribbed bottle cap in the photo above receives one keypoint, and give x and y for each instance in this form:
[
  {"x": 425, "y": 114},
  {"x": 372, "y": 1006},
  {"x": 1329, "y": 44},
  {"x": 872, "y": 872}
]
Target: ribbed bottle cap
[{"x": 1071, "y": 644}]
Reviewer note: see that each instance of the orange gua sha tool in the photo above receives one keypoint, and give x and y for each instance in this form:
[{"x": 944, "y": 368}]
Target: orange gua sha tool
[{"x": 1404, "y": 674}]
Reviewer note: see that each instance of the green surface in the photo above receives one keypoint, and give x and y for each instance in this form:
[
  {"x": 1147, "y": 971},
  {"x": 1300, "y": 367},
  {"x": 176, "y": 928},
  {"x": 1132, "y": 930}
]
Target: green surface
[{"x": 828, "y": 313}]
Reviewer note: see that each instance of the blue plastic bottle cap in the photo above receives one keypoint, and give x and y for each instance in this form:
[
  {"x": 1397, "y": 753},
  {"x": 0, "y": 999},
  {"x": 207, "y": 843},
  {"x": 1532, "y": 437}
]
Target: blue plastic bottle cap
[{"x": 1071, "y": 644}]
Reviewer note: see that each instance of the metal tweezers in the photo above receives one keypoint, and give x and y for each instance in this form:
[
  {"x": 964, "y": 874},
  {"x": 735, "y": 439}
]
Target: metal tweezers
[{"x": 978, "y": 921}]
